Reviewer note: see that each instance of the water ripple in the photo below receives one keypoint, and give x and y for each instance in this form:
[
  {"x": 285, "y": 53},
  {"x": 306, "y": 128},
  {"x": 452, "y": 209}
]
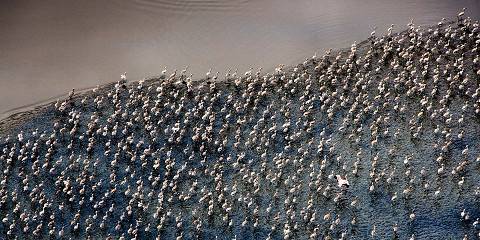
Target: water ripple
[{"x": 187, "y": 6}]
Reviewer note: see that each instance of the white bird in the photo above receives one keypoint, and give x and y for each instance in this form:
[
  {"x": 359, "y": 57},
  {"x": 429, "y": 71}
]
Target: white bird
[
  {"x": 185, "y": 70},
  {"x": 173, "y": 74},
  {"x": 411, "y": 23},
  {"x": 465, "y": 215},
  {"x": 249, "y": 72},
  {"x": 440, "y": 170},
  {"x": 342, "y": 182},
  {"x": 464, "y": 152},
  {"x": 460, "y": 183},
  {"x": 440, "y": 23},
  {"x": 373, "y": 32},
  {"x": 123, "y": 77},
  {"x": 390, "y": 29},
  {"x": 462, "y": 12}
]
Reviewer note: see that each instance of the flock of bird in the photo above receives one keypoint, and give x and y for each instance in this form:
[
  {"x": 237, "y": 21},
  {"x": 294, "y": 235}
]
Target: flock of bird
[{"x": 380, "y": 141}]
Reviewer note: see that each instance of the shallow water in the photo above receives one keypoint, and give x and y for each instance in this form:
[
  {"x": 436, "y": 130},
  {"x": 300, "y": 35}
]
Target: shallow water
[
  {"x": 259, "y": 142},
  {"x": 48, "y": 47}
]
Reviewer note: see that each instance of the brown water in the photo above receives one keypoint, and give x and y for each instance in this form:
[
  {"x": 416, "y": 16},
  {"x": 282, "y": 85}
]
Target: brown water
[{"x": 48, "y": 47}]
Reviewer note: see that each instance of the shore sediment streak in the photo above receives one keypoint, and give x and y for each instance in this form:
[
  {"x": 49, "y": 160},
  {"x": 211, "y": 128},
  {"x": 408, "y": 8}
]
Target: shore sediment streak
[{"x": 377, "y": 141}]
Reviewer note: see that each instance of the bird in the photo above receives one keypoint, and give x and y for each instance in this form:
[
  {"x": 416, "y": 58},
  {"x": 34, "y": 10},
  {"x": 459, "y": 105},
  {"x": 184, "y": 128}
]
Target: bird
[
  {"x": 465, "y": 215},
  {"x": 249, "y": 72},
  {"x": 173, "y": 74},
  {"x": 123, "y": 77},
  {"x": 208, "y": 73},
  {"x": 184, "y": 70},
  {"x": 390, "y": 30},
  {"x": 460, "y": 183},
  {"x": 440, "y": 24},
  {"x": 372, "y": 34},
  {"x": 465, "y": 150},
  {"x": 70, "y": 95},
  {"x": 460, "y": 14},
  {"x": 342, "y": 182}
]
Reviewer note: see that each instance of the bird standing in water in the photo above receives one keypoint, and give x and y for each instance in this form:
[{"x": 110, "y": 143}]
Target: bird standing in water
[
  {"x": 123, "y": 77},
  {"x": 342, "y": 182}
]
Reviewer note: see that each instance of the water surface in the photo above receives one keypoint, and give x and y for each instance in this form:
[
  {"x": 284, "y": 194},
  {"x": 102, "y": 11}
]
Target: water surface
[{"x": 48, "y": 47}]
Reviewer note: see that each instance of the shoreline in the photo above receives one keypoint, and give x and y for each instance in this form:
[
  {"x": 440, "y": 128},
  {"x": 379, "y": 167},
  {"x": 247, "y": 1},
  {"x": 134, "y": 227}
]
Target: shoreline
[
  {"x": 41, "y": 103},
  {"x": 17, "y": 115}
]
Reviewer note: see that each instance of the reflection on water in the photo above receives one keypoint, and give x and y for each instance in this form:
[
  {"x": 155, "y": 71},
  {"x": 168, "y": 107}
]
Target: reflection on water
[{"x": 48, "y": 47}]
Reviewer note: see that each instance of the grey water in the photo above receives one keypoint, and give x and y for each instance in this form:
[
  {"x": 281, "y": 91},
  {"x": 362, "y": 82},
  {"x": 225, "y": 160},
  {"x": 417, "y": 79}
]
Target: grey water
[{"x": 49, "y": 47}]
